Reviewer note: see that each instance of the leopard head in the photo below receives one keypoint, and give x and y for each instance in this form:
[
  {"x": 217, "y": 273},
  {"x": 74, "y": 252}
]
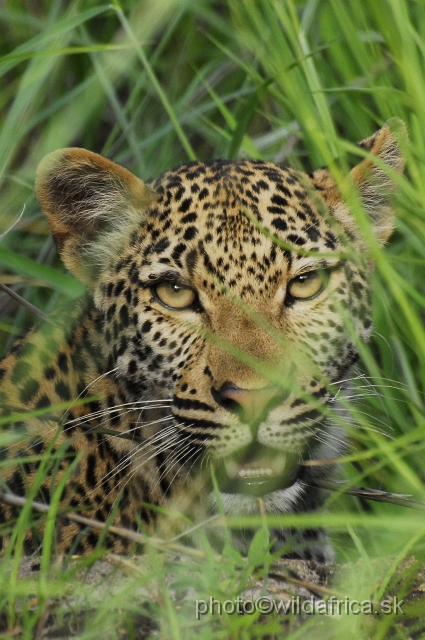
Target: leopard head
[{"x": 235, "y": 291}]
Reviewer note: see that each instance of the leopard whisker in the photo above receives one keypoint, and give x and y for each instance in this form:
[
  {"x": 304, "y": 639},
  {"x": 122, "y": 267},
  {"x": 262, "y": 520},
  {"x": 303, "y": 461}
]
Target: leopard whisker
[
  {"x": 108, "y": 436},
  {"x": 195, "y": 452},
  {"x": 133, "y": 472},
  {"x": 175, "y": 437},
  {"x": 138, "y": 426},
  {"x": 330, "y": 440},
  {"x": 127, "y": 459},
  {"x": 107, "y": 412},
  {"x": 177, "y": 457},
  {"x": 81, "y": 420},
  {"x": 124, "y": 408},
  {"x": 357, "y": 412}
]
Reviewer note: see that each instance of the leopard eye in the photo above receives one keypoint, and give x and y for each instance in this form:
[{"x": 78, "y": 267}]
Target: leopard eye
[
  {"x": 307, "y": 285},
  {"x": 174, "y": 295}
]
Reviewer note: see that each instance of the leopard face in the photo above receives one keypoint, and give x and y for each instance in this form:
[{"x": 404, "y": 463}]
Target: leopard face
[
  {"x": 242, "y": 335},
  {"x": 228, "y": 299}
]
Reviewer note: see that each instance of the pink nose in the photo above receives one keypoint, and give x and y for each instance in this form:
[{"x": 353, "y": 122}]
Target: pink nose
[{"x": 251, "y": 405}]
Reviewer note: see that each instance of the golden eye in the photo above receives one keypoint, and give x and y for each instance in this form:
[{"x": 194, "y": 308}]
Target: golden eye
[
  {"x": 307, "y": 285},
  {"x": 175, "y": 295}
]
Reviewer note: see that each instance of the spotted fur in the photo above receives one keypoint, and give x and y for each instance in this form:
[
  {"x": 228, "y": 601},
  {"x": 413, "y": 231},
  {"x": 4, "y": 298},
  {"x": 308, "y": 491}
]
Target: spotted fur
[{"x": 242, "y": 378}]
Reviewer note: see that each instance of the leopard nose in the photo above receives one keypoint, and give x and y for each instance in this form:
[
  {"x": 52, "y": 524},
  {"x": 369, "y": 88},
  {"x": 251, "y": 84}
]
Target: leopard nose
[{"x": 250, "y": 405}]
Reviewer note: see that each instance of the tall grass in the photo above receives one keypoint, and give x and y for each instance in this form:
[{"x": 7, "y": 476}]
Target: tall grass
[{"x": 152, "y": 84}]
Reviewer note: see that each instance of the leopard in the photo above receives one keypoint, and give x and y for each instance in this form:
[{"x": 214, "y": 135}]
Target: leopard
[{"x": 224, "y": 306}]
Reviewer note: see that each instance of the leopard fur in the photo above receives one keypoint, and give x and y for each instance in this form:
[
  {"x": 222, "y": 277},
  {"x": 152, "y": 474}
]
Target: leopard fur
[{"x": 241, "y": 378}]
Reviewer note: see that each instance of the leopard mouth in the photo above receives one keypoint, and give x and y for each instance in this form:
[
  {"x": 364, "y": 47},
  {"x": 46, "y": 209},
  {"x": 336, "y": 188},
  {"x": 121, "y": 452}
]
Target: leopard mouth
[{"x": 258, "y": 472}]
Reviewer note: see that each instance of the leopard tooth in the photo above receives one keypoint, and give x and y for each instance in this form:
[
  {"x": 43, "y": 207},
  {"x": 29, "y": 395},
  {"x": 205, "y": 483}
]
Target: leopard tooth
[
  {"x": 274, "y": 467},
  {"x": 256, "y": 473},
  {"x": 231, "y": 468},
  {"x": 279, "y": 464}
]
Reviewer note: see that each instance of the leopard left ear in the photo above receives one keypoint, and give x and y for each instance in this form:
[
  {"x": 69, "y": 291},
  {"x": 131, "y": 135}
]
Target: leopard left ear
[
  {"x": 374, "y": 184},
  {"x": 92, "y": 205}
]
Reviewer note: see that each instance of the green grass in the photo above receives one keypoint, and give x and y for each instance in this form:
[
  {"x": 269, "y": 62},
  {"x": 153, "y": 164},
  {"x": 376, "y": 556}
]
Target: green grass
[{"x": 153, "y": 84}]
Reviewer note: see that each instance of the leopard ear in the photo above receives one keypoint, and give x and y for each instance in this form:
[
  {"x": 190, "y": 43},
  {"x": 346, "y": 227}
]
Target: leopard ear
[
  {"x": 91, "y": 204},
  {"x": 374, "y": 184}
]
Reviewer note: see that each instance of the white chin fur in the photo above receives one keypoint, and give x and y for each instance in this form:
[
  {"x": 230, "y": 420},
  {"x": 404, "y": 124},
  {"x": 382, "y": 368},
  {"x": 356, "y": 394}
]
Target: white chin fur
[{"x": 281, "y": 501}]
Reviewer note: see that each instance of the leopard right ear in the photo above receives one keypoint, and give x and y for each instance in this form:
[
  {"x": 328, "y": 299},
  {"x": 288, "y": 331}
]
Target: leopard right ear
[
  {"x": 374, "y": 183},
  {"x": 92, "y": 204}
]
